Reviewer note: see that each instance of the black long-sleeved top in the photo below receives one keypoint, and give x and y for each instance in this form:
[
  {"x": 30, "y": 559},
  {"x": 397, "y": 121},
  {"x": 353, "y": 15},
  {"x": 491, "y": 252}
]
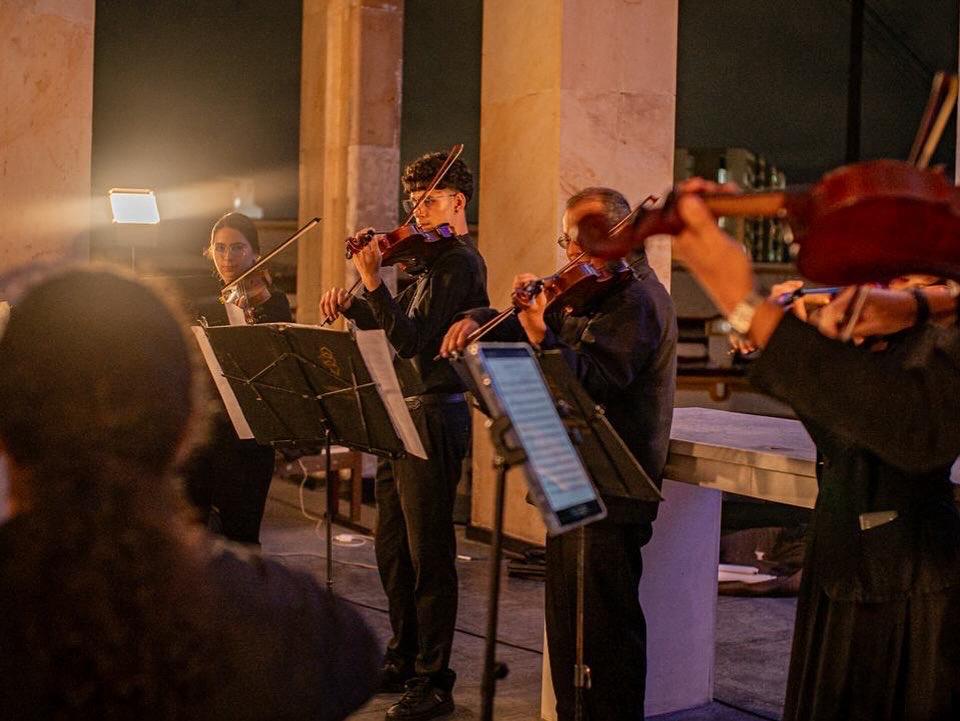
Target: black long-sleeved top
[
  {"x": 289, "y": 649},
  {"x": 624, "y": 354},
  {"x": 276, "y": 309},
  {"x": 886, "y": 425},
  {"x": 417, "y": 319}
]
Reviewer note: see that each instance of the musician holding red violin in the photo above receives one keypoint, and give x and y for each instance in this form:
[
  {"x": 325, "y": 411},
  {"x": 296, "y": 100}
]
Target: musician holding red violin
[
  {"x": 228, "y": 479},
  {"x": 877, "y": 634},
  {"x": 616, "y": 327},
  {"x": 415, "y": 542}
]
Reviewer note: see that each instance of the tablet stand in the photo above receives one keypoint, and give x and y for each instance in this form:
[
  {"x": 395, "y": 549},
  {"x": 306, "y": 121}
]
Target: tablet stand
[{"x": 610, "y": 465}]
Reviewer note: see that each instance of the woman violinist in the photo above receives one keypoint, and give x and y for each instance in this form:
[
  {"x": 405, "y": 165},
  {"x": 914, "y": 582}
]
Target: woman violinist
[
  {"x": 623, "y": 350},
  {"x": 877, "y": 634},
  {"x": 228, "y": 479}
]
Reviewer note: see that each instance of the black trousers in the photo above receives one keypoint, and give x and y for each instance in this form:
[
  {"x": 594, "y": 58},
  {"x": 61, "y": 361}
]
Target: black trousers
[
  {"x": 615, "y": 632},
  {"x": 228, "y": 480},
  {"x": 416, "y": 545}
]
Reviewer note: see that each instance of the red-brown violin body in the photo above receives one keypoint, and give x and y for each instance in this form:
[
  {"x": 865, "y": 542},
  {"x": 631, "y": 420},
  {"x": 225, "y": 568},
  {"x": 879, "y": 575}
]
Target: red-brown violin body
[
  {"x": 576, "y": 288},
  {"x": 404, "y": 244},
  {"x": 864, "y": 222}
]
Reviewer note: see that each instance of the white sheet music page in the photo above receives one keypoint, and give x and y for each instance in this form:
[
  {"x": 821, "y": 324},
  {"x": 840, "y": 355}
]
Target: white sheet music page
[
  {"x": 379, "y": 361},
  {"x": 239, "y": 420}
]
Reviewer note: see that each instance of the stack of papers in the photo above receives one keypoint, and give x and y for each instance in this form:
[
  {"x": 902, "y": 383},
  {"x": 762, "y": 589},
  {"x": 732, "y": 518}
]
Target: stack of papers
[{"x": 743, "y": 574}]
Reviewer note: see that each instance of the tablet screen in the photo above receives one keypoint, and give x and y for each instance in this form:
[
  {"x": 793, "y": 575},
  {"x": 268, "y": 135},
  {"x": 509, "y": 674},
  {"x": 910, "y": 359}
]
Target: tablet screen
[{"x": 516, "y": 378}]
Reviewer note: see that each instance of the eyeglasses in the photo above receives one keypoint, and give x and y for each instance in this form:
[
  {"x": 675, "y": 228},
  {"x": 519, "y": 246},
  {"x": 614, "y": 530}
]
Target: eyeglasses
[
  {"x": 564, "y": 240},
  {"x": 409, "y": 204}
]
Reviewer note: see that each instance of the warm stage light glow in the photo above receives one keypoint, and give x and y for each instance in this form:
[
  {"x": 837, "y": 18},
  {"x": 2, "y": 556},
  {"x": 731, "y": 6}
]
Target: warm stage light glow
[{"x": 134, "y": 206}]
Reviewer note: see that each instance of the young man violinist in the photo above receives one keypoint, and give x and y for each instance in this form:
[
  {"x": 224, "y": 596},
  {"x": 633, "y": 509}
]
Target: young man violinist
[
  {"x": 415, "y": 543},
  {"x": 624, "y": 353}
]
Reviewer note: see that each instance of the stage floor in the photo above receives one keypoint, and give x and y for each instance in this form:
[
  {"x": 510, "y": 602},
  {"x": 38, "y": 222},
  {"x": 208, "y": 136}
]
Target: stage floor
[{"x": 753, "y": 635}]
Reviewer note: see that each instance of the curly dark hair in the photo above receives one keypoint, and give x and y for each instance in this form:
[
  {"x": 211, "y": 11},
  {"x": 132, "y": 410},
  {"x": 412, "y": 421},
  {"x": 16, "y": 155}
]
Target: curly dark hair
[
  {"x": 106, "y": 579},
  {"x": 418, "y": 174}
]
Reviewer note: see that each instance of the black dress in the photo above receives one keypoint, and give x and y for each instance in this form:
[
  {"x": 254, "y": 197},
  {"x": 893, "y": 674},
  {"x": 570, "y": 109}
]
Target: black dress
[
  {"x": 228, "y": 479},
  {"x": 877, "y": 634}
]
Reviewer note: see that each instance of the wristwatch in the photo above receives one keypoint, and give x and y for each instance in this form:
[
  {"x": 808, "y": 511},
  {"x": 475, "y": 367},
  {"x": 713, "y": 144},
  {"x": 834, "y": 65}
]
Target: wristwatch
[{"x": 741, "y": 316}]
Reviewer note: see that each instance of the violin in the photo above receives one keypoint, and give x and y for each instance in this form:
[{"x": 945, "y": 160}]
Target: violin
[
  {"x": 249, "y": 294},
  {"x": 860, "y": 223},
  {"x": 576, "y": 288},
  {"x": 401, "y": 245},
  {"x": 408, "y": 241},
  {"x": 251, "y": 288}
]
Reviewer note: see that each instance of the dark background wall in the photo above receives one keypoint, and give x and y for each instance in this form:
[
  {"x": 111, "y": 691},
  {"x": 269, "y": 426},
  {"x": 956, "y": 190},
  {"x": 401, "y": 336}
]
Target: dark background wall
[
  {"x": 772, "y": 77},
  {"x": 441, "y": 81},
  {"x": 188, "y": 91}
]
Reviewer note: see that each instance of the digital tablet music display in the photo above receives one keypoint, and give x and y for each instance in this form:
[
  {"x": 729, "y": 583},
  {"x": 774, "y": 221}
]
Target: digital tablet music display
[{"x": 519, "y": 386}]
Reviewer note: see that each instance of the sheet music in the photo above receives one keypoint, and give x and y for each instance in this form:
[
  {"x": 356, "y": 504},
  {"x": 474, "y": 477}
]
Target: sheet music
[
  {"x": 376, "y": 355},
  {"x": 235, "y": 314},
  {"x": 239, "y": 420}
]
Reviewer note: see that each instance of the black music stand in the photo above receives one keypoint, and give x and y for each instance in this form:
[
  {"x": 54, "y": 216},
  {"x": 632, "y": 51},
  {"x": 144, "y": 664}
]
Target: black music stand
[
  {"x": 299, "y": 387},
  {"x": 612, "y": 468}
]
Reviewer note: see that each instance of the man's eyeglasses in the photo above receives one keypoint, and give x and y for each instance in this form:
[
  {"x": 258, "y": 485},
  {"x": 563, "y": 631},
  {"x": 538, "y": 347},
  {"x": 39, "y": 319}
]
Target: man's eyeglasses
[
  {"x": 564, "y": 240},
  {"x": 427, "y": 203}
]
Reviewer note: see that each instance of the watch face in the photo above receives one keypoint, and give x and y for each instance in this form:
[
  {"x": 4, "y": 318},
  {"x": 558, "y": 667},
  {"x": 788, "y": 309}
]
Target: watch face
[{"x": 741, "y": 316}]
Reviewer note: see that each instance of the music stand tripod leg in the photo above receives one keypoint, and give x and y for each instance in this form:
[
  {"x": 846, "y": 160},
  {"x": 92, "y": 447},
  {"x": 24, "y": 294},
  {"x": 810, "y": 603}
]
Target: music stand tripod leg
[
  {"x": 505, "y": 458},
  {"x": 331, "y": 507},
  {"x": 581, "y": 672}
]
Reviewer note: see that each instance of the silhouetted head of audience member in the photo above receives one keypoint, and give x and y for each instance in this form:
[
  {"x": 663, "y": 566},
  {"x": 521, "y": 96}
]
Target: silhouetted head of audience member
[{"x": 102, "y": 570}]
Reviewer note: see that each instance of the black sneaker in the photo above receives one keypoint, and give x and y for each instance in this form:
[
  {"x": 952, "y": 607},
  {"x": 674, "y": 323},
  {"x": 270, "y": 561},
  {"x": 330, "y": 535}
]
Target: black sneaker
[
  {"x": 394, "y": 677},
  {"x": 421, "y": 700}
]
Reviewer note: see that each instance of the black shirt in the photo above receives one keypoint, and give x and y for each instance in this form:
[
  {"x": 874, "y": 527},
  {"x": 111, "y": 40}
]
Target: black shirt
[
  {"x": 886, "y": 427},
  {"x": 624, "y": 354},
  {"x": 417, "y": 319},
  {"x": 276, "y": 309},
  {"x": 288, "y": 649}
]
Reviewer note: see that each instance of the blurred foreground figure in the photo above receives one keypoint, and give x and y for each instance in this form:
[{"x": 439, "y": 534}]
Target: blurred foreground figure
[{"x": 112, "y": 605}]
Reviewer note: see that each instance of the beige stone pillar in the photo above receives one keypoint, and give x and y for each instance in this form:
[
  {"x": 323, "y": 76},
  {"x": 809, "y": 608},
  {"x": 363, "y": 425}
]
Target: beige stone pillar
[
  {"x": 46, "y": 72},
  {"x": 349, "y": 133},
  {"x": 574, "y": 93}
]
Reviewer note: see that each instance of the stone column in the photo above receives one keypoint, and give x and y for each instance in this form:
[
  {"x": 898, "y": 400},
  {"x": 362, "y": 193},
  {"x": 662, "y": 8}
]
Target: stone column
[
  {"x": 349, "y": 134},
  {"x": 575, "y": 93},
  {"x": 46, "y": 72}
]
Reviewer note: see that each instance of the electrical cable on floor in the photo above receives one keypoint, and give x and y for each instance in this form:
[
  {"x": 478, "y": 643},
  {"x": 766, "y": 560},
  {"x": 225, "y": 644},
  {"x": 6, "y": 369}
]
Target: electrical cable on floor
[
  {"x": 458, "y": 629},
  {"x": 347, "y": 542},
  {"x": 371, "y": 567}
]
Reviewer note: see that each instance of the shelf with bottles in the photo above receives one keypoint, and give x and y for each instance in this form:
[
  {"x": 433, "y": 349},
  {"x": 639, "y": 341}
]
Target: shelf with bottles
[{"x": 764, "y": 239}]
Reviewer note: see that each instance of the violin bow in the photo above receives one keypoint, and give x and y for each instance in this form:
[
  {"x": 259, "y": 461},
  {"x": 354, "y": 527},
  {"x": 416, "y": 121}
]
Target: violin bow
[
  {"x": 940, "y": 105},
  {"x": 441, "y": 173},
  {"x": 269, "y": 256},
  {"x": 504, "y": 314},
  {"x": 942, "y": 100}
]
